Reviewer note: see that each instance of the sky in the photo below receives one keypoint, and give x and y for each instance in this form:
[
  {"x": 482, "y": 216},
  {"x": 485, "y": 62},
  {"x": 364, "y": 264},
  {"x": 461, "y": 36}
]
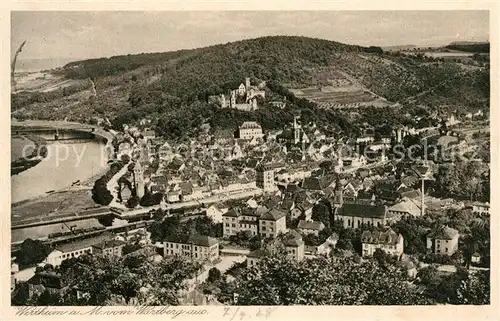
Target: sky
[{"x": 79, "y": 35}]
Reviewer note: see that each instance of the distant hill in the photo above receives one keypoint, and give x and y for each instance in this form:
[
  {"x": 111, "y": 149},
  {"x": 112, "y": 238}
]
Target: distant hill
[
  {"x": 172, "y": 88},
  {"x": 399, "y": 47},
  {"x": 470, "y": 46},
  {"x": 39, "y": 64}
]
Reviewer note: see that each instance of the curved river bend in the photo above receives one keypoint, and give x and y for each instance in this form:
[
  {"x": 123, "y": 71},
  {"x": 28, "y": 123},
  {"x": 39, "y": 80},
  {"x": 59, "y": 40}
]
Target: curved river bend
[{"x": 64, "y": 164}]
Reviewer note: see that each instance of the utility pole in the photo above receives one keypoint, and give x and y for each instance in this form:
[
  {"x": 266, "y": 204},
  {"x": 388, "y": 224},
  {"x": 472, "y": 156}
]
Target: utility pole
[{"x": 13, "y": 66}]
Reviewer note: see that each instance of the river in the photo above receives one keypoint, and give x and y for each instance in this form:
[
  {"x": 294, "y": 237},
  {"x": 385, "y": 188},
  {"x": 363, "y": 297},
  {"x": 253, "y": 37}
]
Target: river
[{"x": 64, "y": 164}]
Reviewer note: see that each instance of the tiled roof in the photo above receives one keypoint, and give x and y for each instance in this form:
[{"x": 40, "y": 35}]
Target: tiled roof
[
  {"x": 258, "y": 253},
  {"x": 249, "y": 125},
  {"x": 317, "y": 183},
  {"x": 407, "y": 206},
  {"x": 108, "y": 244},
  {"x": 200, "y": 240},
  {"x": 311, "y": 225},
  {"x": 362, "y": 210},
  {"x": 443, "y": 233},
  {"x": 411, "y": 194},
  {"x": 305, "y": 205},
  {"x": 234, "y": 212},
  {"x": 83, "y": 244},
  {"x": 287, "y": 204},
  {"x": 387, "y": 237},
  {"x": 273, "y": 215},
  {"x": 47, "y": 279}
]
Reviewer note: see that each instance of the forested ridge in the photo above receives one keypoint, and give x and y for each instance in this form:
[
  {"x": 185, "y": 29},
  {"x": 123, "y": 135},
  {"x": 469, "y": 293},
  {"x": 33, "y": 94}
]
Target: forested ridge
[{"x": 173, "y": 87}]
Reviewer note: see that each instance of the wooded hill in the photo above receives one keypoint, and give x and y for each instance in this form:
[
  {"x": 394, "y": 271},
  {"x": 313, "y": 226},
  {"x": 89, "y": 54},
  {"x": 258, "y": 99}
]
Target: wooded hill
[{"x": 172, "y": 87}]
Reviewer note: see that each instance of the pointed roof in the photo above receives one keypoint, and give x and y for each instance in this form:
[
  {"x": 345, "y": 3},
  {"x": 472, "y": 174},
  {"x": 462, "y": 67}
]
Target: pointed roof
[
  {"x": 443, "y": 233},
  {"x": 387, "y": 236},
  {"x": 311, "y": 225},
  {"x": 273, "y": 215},
  {"x": 137, "y": 166}
]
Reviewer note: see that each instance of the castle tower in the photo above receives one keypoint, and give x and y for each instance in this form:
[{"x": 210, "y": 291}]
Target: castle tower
[{"x": 138, "y": 179}]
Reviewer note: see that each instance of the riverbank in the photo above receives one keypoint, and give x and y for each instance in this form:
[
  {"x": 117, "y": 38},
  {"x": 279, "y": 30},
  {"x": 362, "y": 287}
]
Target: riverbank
[{"x": 38, "y": 153}]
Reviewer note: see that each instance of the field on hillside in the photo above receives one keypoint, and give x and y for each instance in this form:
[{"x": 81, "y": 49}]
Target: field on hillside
[
  {"x": 328, "y": 97},
  {"x": 42, "y": 82}
]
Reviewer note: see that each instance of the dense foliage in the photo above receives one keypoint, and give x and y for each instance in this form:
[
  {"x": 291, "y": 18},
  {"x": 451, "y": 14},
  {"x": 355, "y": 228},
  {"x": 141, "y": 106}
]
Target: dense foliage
[
  {"x": 100, "y": 193},
  {"x": 173, "y": 87},
  {"x": 32, "y": 252},
  {"x": 133, "y": 279},
  {"x": 202, "y": 225},
  {"x": 325, "y": 281},
  {"x": 464, "y": 180},
  {"x": 472, "y": 47}
]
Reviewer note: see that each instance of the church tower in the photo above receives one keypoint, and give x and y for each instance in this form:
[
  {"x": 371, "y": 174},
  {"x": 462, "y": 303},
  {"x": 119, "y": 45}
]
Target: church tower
[
  {"x": 296, "y": 130},
  {"x": 338, "y": 198},
  {"x": 138, "y": 179}
]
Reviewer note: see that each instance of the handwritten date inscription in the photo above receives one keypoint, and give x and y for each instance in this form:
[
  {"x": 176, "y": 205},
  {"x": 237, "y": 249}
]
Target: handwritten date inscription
[{"x": 239, "y": 314}]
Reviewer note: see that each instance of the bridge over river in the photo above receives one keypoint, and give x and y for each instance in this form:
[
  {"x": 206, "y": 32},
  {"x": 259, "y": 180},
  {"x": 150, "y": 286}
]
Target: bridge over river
[{"x": 59, "y": 130}]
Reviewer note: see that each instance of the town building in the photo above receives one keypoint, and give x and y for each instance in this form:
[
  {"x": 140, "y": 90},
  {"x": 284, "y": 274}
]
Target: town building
[
  {"x": 272, "y": 223},
  {"x": 355, "y": 215},
  {"x": 14, "y": 268},
  {"x": 74, "y": 249},
  {"x": 258, "y": 221},
  {"x": 443, "y": 240},
  {"x": 109, "y": 248},
  {"x": 481, "y": 208},
  {"x": 250, "y": 130},
  {"x": 42, "y": 281},
  {"x": 195, "y": 247},
  {"x": 291, "y": 244},
  {"x": 265, "y": 178},
  {"x": 304, "y": 208},
  {"x": 475, "y": 258},
  {"x": 149, "y": 135},
  {"x": 294, "y": 245},
  {"x": 310, "y": 227},
  {"x": 387, "y": 240},
  {"x": 405, "y": 208}
]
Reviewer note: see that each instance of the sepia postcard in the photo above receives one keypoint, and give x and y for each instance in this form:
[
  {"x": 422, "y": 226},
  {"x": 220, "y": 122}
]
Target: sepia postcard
[{"x": 251, "y": 164}]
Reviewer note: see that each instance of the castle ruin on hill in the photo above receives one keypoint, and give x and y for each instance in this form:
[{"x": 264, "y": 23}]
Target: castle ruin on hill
[{"x": 243, "y": 98}]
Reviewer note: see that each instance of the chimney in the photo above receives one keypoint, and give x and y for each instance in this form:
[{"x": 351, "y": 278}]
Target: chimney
[{"x": 247, "y": 83}]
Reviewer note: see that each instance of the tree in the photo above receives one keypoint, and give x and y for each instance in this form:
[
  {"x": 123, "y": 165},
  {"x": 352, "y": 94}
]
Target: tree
[
  {"x": 324, "y": 281},
  {"x": 383, "y": 259},
  {"x": 151, "y": 199},
  {"x": 160, "y": 229},
  {"x": 125, "y": 158},
  {"x": 106, "y": 220},
  {"x": 214, "y": 274},
  {"x": 114, "y": 281},
  {"x": 345, "y": 244},
  {"x": 311, "y": 239},
  {"x": 321, "y": 213},
  {"x": 477, "y": 289},
  {"x": 32, "y": 252},
  {"x": 133, "y": 201}
]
